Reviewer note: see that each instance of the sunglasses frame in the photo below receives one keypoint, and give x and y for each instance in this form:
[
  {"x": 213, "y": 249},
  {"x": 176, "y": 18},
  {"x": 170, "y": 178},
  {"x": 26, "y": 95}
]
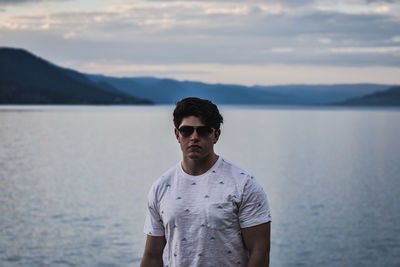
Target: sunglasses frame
[{"x": 202, "y": 133}]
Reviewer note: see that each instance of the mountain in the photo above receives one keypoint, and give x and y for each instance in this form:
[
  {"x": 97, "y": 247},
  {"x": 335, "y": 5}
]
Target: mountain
[
  {"x": 169, "y": 91},
  {"x": 389, "y": 97},
  {"x": 323, "y": 93},
  {"x": 28, "y": 79}
]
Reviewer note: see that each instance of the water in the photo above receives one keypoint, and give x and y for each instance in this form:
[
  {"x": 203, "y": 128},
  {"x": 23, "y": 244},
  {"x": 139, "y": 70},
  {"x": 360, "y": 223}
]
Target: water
[{"x": 74, "y": 180}]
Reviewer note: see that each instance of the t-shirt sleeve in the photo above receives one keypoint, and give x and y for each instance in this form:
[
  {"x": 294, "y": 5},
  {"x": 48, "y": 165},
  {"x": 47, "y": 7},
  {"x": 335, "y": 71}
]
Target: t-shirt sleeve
[
  {"x": 153, "y": 224},
  {"x": 254, "y": 208}
]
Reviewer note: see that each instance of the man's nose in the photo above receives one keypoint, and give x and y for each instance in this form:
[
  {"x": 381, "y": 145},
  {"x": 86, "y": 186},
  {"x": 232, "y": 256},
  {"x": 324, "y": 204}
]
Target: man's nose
[{"x": 194, "y": 135}]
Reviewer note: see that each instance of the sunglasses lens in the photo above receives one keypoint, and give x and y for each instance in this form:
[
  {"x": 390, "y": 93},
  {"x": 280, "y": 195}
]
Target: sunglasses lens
[
  {"x": 186, "y": 131},
  {"x": 204, "y": 130}
]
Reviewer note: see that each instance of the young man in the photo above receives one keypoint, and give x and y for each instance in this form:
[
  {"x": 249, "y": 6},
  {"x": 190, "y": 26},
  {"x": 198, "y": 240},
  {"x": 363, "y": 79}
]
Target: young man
[{"x": 205, "y": 211}]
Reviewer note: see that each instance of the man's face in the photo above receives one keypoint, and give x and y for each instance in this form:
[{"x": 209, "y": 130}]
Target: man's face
[{"x": 196, "y": 146}]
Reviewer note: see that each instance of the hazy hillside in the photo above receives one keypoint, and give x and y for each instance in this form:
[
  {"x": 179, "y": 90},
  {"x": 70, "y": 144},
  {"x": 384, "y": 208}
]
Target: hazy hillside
[
  {"x": 168, "y": 91},
  {"x": 28, "y": 79},
  {"x": 390, "y": 97}
]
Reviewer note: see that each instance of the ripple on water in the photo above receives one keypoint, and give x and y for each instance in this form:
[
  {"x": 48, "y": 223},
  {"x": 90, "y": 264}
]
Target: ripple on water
[
  {"x": 14, "y": 258},
  {"x": 62, "y": 262}
]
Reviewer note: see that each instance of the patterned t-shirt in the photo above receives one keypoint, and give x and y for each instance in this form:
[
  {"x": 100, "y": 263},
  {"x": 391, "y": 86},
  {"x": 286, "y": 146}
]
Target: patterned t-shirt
[{"x": 201, "y": 216}]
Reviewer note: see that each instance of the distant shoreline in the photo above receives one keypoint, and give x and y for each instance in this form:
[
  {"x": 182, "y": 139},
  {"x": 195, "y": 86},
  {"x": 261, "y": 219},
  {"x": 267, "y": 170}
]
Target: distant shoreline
[{"x": 67, "y": 107}]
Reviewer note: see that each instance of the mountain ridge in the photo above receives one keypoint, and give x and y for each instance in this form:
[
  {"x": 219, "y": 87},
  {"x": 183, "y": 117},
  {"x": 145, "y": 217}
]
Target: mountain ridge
[
  {"x": 28, "y": 79},
  {"x": 152, "y": 88},
  {"x": 389, "y": 97}
]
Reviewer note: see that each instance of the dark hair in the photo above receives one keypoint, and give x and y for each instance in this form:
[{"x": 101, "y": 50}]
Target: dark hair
[{"x": 204, "y": 109}]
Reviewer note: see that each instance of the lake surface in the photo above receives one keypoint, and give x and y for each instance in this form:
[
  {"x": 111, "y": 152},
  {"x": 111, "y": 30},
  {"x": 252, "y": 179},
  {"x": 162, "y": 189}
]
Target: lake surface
[{"x": 74, "y": 181}]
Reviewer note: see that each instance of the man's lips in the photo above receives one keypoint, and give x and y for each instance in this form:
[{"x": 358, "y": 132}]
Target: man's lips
[{"x": 194, "y": 147}]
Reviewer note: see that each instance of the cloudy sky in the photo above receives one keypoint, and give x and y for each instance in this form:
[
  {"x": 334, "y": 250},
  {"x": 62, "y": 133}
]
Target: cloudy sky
[{"x": 244, "y": 42}]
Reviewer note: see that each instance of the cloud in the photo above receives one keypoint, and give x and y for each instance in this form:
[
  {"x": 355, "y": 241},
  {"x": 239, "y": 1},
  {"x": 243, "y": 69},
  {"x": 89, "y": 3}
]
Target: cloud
[
  {"x": 280, "y": 50},
  {"x": 69, "y": 35},
  {"x": 396, "y": 39},
  {"x": 325, "y": 41},
  {"x": 19, "y": 2},
  {"x": 266, "y": 74},
  {"x": 317, "y": 33},
  {"x": 237, "y": 10},
  {"x": 381, "y": 1},
  {"x": 359, "y": 7},
  {"x": 363, "y": 50},
  {"x": 16, "y": 1}
]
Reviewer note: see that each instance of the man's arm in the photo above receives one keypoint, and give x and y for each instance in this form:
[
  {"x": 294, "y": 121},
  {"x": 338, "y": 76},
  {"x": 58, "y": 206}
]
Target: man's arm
[
  {"x": 152, "y": 256},
  {"x": 257, "y": 241}
]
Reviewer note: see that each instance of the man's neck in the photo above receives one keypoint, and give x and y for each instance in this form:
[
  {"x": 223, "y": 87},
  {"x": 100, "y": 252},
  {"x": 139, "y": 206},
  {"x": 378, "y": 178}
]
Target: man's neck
[{"x": 199, "y": 166}]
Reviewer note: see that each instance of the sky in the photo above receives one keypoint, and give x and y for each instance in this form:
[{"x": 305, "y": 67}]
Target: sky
[{"x": 237, "y": 42}]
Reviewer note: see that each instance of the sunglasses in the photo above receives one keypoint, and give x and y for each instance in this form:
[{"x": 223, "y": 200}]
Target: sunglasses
[{"x": 202, "y": 131}]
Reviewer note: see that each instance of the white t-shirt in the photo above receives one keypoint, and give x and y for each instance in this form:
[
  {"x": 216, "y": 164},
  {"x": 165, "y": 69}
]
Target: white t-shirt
[{"x": 201, "y": 216}]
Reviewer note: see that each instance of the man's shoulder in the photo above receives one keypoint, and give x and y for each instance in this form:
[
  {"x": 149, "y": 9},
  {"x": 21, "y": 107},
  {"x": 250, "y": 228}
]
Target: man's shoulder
[
  {"x": 165, "y": 179},
  {"x": 234, "y": 170},
  {"x": 238, "y": 174}
]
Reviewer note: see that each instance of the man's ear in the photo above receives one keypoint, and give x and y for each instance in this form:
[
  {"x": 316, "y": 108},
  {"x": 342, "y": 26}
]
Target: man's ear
[
  {"x": 217, "y": 133},
  {"x": 176, "y": 134}
]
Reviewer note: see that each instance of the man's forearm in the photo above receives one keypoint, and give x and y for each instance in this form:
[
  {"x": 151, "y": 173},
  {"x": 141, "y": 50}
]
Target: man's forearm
[
  {"x": 259, "y": 259},
  {"x": 148, "y": 261}
]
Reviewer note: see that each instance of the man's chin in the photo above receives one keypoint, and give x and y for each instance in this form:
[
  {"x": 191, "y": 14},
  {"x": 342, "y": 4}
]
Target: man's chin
[{"x": 194, "y": 156}]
